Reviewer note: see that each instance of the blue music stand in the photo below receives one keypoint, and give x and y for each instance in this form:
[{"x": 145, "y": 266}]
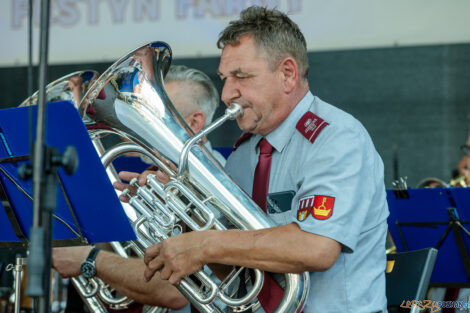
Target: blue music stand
[
  {"x": 423, "y": 218},
  {"x": 88, "y": 209}
]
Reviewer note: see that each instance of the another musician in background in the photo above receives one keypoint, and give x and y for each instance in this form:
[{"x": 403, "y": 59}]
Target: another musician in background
[{"x": 196, "y": 99}]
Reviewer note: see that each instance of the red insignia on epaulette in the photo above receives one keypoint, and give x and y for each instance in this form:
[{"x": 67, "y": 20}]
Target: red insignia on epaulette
[
  {"x": 323, "y": 207},
  {"x": 310, "y": 126},
  {"x": 244, "y": 137},
  {"x": 304, "y": 209}
]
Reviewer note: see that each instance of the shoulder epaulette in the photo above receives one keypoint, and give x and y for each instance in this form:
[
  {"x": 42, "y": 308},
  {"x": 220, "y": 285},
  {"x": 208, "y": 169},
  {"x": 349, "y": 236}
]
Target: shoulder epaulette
[
  {"x": 310, "y": 126},
  {"x": 244, "y": 137}
]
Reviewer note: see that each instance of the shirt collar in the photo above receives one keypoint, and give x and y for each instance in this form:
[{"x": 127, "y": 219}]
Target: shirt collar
[{"x": 280, "y": 136}]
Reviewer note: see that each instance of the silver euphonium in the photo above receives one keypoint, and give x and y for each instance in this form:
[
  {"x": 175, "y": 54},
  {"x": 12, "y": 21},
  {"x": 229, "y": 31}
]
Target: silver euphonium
[
  {"x": 96, "y": 294},
  {"x": 129, "y": 100}
]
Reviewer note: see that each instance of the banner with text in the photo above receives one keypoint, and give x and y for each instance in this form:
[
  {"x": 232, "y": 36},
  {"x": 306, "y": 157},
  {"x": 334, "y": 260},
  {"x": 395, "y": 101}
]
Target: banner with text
[{"x": 104, "y": 30}]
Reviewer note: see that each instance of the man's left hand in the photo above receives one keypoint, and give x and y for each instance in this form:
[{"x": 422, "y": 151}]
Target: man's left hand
[{"x": 176, "y": 257}]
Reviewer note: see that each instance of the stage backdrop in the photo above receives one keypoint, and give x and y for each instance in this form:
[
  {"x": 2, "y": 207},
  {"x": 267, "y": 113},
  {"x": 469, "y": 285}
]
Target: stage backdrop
[{"x": 103, "y": 30}]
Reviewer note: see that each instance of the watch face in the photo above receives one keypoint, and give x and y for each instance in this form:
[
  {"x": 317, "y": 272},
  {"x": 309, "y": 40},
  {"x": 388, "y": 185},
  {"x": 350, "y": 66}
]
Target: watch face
[{"x": 88, "y": 269}]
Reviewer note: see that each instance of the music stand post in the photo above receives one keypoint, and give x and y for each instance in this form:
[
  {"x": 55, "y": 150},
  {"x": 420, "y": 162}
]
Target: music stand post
[
  {"x": 46, "y": 161},
  {"x": 39, "y": 258}
]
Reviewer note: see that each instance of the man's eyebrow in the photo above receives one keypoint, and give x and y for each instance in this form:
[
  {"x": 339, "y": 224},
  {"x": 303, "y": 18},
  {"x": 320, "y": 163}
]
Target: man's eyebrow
[
  {"x": 237, "y": 71},
  {"x": 234, "y": 73}
]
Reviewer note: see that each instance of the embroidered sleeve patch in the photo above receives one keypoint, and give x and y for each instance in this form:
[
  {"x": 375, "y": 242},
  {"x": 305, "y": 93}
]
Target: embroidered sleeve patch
[
  {"x": 305, "y": 207},
  {"x": 310, "y": 126},
  {"x": 323, "y": 207}
]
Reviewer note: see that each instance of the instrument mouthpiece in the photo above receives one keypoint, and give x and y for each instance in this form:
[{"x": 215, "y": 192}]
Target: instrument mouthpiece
[{"x": 234, "y": 110}]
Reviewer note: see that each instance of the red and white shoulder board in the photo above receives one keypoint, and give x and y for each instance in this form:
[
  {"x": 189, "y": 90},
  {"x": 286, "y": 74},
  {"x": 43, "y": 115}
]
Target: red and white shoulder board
[{"x": 310, "y": 126}]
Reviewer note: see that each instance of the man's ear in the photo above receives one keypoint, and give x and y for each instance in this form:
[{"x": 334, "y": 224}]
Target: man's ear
[
  {"x": 289, "y": 74},
  {"x": 196, "y": 121}
]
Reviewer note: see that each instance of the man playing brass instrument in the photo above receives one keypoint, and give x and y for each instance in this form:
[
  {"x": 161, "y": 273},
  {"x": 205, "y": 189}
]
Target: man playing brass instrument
[
  {"x": 196, "y": 99},
  {"x": 299, "y": 148}
]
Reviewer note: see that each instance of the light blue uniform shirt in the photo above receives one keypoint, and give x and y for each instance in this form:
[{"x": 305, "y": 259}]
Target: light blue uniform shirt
[
  {"x": 343, "y": 166},
  {"x": 216, "y": 154}
]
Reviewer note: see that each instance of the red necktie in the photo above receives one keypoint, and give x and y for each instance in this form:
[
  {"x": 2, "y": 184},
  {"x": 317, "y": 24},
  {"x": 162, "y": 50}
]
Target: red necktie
[
  {"x": 261, "y": 179},
  {"x": 271, "y": 294}
]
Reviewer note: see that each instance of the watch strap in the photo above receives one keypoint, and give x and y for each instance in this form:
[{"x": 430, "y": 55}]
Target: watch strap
[
  {"x": 92, "y": 255},
  {"x": 88, "y": 268}
]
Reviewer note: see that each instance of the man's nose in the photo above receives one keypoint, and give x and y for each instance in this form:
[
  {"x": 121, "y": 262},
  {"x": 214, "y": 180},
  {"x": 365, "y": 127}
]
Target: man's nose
[{"x": 230, "y": 92}]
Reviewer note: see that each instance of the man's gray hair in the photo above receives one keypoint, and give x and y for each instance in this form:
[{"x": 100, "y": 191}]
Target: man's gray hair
[
  {"x": 208, "y": 99},
  {"x": 273, "y": 31}
]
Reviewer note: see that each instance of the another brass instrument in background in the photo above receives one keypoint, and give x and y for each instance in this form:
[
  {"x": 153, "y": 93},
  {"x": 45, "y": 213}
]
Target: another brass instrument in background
[
  {"x": 432, "y": 182},
  {"x": 70, "y": 87}
]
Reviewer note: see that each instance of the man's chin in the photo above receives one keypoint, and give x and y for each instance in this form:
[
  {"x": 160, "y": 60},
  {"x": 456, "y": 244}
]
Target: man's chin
[
  {"x": 249, "y": 123},
  {"x": 245, "y": 127}
]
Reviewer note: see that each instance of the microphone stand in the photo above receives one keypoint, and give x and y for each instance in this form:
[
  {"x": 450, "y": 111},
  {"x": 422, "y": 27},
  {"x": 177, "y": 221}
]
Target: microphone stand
[{"x": 46, "y": 162}]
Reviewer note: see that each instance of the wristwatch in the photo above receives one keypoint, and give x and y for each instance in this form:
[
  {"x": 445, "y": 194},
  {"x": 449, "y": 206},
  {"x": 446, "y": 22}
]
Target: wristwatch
[{"x": 88, "y": 268}]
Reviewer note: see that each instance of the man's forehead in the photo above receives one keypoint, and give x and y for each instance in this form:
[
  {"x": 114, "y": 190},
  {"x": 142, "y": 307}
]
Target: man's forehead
[
  {"x": 240, "y": 64},
  {"x": 241, "y": 51},
  {"x": 230, "y": 60}
]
